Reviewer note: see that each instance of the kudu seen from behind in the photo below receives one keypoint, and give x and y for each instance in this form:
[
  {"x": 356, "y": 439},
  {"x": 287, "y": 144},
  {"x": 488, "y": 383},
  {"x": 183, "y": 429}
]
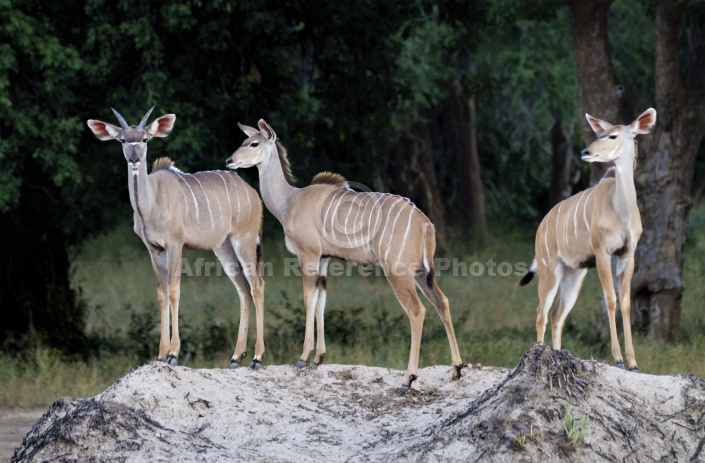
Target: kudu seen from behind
[
  {"x": 588, "y": 230},
  {"x": 207, "y": 210},
  {"x": 328, "y": 219}
]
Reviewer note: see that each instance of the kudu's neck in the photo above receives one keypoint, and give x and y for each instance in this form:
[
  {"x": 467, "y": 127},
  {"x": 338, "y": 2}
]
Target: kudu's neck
[
  {"x": 274, "y": 187},
  {"x": 141, "y": 191},
  {"x": 624, "y": 199}
]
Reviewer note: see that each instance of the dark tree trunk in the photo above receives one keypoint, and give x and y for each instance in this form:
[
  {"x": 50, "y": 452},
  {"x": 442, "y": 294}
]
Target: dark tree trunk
[
  {"x": 664, "y": 172},
  {"x": 561, "y": 164},
  {"x": 461, "y": 122},
  {"x": 412, "y": 172},
  {"x": 600, "y": 95},
  {"x": 664, "y": 177},
  {"x": 35, "y": 291}
]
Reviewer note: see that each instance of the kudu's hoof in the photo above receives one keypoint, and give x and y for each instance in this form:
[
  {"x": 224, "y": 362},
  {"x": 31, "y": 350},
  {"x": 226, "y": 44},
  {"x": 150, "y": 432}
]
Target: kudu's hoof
[
  {"x": 405, "y": 387},
  {"x": 319, "y": 362},
  {"x": 301, "y": 364},
  {"x": 235, "y": 361},
  {"x": 456, "y": 371},
  {"x": 172, "y": 360},
  {"x": 619, "y": 365},
  {"x": 634, "y": 370},
  {"x": 256, "y": 365}
]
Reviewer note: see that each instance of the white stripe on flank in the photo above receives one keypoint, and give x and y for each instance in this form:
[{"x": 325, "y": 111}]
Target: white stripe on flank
[
  {"x": 545, "y": 239},
  {"x": 195, "y": 202},
  {"x": 369, "y": 221},
  {"x": 368, "y": 196},
  {"x": 363, "y": 197},
  {"x": 347, "y": 216},
  {"x": 227, "y": 193},
  {"x": 325, "y": 216},
  {"x": 386, "y": 222},
  {"x": 575, "y": 215},
  {"x": 183, "y": 194},
  {"x": 391, "y": 234},
  {"x": 406, "y": 234},
  {"x": 335, "y": 212},
  {"x": 558, "y": 241},
  {"x": 208, "y": 202},
  {"x": 220, "y": 210},
  {"x": 587, "y": 225},
  {"x": 249, "y": 202}
]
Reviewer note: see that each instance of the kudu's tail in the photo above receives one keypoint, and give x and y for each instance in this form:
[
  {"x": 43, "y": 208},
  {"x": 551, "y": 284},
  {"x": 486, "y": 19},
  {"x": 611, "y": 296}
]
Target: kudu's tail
[{"x": 529, "y": 275}]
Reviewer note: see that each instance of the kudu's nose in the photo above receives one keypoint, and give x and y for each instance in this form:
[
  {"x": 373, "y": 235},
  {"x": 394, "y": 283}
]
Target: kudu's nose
[{"x": 585, "y": 152}]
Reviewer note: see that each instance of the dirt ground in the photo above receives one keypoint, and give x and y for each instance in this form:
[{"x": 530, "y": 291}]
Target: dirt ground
[
  {"x": 14, "y": 424},
  {"x": 353, "y": 413}
]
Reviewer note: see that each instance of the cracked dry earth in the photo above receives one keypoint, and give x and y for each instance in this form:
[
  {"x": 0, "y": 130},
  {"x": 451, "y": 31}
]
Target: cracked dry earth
[{"x": 352, "y": 413}]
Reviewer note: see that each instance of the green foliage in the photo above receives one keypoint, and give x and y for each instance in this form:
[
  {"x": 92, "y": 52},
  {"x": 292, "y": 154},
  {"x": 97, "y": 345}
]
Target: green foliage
[
  {"x": 534, "y": 86},
  {"x": 142, "y": 331},
  {"x": 42, "y": 375}
]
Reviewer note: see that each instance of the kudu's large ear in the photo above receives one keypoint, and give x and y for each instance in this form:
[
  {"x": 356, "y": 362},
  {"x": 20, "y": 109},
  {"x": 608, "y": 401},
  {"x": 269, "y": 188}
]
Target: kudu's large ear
[
  {"x": 249, "y": 131},
  {"x": 644, "y": 123},
  {"x": 598, "y": 126},
  {"x": 162, "y": 126},
  {"x": 102, "y": 130},
  {"x": 267, "y": 131}
]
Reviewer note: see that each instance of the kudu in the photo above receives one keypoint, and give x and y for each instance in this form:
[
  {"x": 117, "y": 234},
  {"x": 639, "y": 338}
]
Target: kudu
[
  {"x": 587, "y": 230},
  {"x": 207, "y": 210},
  {"x": 328, "y": 219}
]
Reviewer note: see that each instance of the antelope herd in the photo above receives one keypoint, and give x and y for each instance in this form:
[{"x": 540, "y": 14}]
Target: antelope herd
[{"x": 217, "y": 210}]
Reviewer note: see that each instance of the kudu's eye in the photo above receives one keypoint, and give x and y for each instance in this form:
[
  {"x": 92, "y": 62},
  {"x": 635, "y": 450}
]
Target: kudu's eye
[
  {"x": 612, "y": 137},
  {"x": 254, "y": 144}
]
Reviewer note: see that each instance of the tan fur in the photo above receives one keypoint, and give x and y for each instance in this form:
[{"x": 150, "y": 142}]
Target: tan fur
[
  {"x": 324, "y": 220},
  {"x": 207, "y": 210},
  {"x": 587, "y": 230},
  {"x": 330, "y": 178}
]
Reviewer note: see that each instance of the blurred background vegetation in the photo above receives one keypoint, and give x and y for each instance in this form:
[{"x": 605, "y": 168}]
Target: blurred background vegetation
[{"x": 473, "y": 109}]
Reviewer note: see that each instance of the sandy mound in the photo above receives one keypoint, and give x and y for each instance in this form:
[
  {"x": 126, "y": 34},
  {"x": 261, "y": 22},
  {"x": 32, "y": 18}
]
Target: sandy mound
[{"x": 352, "y": 413}]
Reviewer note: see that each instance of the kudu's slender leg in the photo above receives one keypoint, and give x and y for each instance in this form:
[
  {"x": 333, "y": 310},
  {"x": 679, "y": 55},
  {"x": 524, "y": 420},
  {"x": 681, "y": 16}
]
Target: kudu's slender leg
[
  {"x": 310, "y": 275},
  {"x": 174, "y": 265},
  {"x": 320, "y": 310},
  {"x": 548, "y": 287},
  {"x": 569, "y": 289},
  {"x": 226, "y": 255},
  {"x": 604, "y": 271},
  {"x": 247, "y": 250},
  {"x": 434, "y": 294},
  {"x": 405, "y": 291},
  {"x": 624, "y": 280},
  {"x": 161, "y": 272}
]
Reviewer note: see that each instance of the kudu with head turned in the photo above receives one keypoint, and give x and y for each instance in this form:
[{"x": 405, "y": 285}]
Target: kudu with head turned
[
  {"x": 328, "y": 219},
  {"x": 588, "y": 230},
  {"x": 207, "y": 210}
]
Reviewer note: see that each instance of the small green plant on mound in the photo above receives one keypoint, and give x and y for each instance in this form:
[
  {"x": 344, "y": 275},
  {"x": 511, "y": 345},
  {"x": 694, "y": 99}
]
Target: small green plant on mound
[
  {"x": 519, "y": 442},
  {"x": 575, "y": 430}
]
